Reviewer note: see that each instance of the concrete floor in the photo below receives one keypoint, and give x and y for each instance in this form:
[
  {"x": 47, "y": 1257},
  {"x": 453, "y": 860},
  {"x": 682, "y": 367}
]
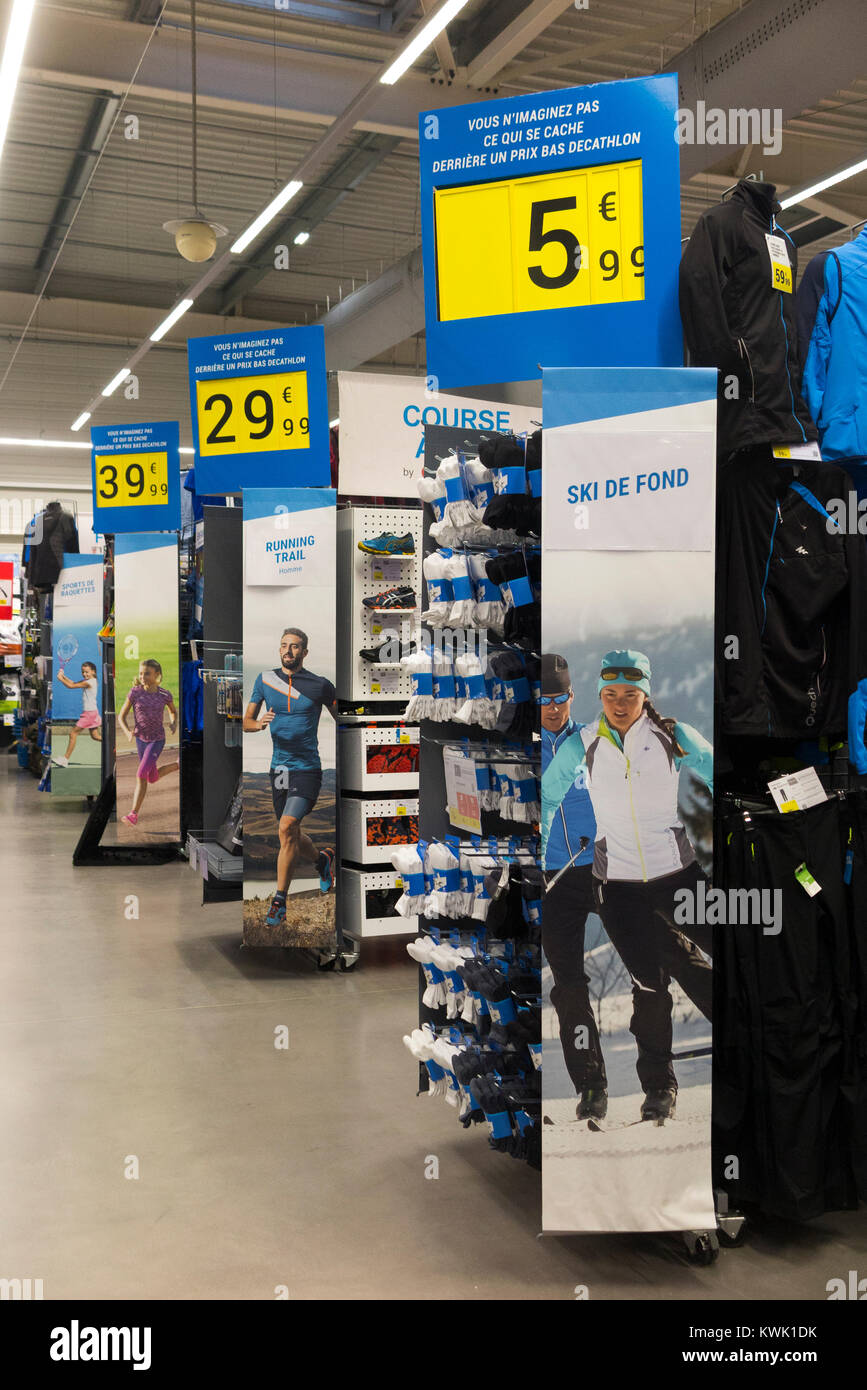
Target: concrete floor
[{"x": 258, "y": 1168}]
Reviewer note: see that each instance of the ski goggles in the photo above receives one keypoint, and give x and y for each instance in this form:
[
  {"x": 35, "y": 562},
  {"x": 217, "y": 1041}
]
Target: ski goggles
[
  {"x": 554, "y": 699},
  {"x": 623, "y": 673}
]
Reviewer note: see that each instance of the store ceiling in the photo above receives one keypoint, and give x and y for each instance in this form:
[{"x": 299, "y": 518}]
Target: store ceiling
[{"x": 82, "y": 207}]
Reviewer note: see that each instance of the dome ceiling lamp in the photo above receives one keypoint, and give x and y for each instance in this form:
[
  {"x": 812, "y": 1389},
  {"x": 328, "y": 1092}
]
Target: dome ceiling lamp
[{"x": 195, "y": 236}]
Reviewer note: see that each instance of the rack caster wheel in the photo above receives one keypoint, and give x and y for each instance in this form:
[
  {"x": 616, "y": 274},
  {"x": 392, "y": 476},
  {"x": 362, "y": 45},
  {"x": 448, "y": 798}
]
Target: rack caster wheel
[
  {"x": 327, "y": 960},
  {"x": 348, "y": 960},
  {"x": 702, "y": 1246}
]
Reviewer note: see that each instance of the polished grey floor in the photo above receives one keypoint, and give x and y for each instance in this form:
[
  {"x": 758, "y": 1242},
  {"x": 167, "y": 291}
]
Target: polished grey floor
[{"x": 152, "y": 1039}]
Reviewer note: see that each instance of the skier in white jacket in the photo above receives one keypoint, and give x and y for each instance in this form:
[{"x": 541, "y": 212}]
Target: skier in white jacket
[{"x": 631, "y": 759}]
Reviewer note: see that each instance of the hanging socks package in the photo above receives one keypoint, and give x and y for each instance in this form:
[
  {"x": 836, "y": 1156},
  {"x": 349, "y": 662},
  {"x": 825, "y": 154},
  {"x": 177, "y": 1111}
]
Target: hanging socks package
[
  {"x": 409, "y": 862},
  {"x": 419, "y": 667},
  {"x": 439, "y": 588}
]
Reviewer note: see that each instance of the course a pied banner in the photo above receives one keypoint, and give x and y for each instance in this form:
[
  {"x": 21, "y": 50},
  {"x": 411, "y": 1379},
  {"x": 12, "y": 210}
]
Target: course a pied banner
[
  {"x": 382, "y": 425},
  {"x": 289, "y": 537},
  {"x": 551, "y": 231},
  {"x": 136, "y": 477},
  {"x": 147, "y": 689},
  {"x": 627, "y": 769},
  {"x": 259, "y": 407},
  {"x": 290, "y": 708},
  {"x": 76, "y": 678}
]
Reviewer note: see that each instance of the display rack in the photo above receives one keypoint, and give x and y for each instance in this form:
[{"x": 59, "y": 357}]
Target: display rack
[{"x": 361, "y": 576}]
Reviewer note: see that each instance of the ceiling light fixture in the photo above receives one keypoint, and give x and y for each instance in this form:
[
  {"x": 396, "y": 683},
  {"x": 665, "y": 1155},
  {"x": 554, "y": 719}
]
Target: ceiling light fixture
[
  {"x": 171, "y": 319},
  {"x": 10, "y": 65},
  {"x": 82, "y": 420},
  {"x": 791, "y": 199},
  {"x": 267, "y": 215},
  {"x": 302, "y": 238},
  {"x": 422, "y": 40},
  {"x": 115, "y": 381},
  {"x": 44, "y": 443}
]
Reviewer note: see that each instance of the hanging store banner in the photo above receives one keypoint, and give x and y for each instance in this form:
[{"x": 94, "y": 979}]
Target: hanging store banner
[
  {"x": 627, "y": 764},
  {"x": 147, "y": 689},
  {"x": 551, "y": 231},
  {"x": 290, "y": 708},
  {"x": 76, "y": 678},
  {"x": 136, "y": 478},
  {"x": 289, "y": 536},
  {"x": 259, "y": 407},
  {"x": 382, "y": 429},
  {"x": 7, "y": 585}
]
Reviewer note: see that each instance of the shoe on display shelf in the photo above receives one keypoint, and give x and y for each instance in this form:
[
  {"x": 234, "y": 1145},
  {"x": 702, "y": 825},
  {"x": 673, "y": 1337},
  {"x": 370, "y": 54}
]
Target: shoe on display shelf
[
  {"x": 400, "y": 597},
  {"x": 388, "y": 544}
]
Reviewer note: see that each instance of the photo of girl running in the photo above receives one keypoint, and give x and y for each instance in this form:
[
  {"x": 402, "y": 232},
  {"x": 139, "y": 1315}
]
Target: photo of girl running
[
  {"x": 631, "y": 759},
  {"x": 148, "y": 702},
  {"x": 90, "y": 717}
]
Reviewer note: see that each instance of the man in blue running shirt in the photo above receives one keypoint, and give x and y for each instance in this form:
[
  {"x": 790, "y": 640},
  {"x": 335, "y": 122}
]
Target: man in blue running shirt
[{"x": 294, "y": 699}]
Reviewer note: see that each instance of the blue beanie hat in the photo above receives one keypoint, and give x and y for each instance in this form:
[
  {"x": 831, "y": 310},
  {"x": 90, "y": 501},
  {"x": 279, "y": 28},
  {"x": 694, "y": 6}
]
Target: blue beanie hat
[{"x": 626, "y": 660}]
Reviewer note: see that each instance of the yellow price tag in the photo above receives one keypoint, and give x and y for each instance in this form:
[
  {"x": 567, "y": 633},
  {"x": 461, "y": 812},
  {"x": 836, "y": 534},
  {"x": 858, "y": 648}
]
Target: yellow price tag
[
  {"x": 375, "y": 688},
  {"x": 788, "y": 806},
  {"x": 252, "y": 414},
  {"x": 548, "y": 241},
  {"x": 375, "y": 629},
  {"x": 782, "y": 278},
  {"x": 403, "y": 737},
  {"x": 131, "y": 480},
  {"x": 782, "y": 451},
  {"x": 401, "y": 811},
  {"x": 781, "y": 266}
]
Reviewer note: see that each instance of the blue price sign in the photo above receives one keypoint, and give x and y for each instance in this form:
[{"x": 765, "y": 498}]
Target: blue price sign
[
  {"x": 551, "y": 232},
  {"x": 259, "y": 406},
  {"x": 136, "y": 478}
]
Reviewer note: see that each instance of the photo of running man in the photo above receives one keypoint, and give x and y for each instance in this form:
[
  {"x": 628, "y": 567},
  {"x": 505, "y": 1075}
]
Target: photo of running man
[
  {"x": 631, "y": 758},
  {"x": 294, "y": 699},
  {"x": 569, "y": 900}
]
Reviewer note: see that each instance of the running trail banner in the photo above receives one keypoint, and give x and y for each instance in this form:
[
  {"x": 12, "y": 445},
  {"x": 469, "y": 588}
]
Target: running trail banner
[
  {"x": 289, "y": 709},
  {"x": 76, "y": 678},
  {"x": 627, "y": 764},
  {"x": 147, "y": 688}
]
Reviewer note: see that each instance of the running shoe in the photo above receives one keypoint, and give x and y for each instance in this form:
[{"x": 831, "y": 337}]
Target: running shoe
[
  {"x": 132, "y": 818},
  {"x": 326, "y": 870},
  {"x": 389, "y": 544},
  {"x": 375, "y": 654},
  {"x": 399, "y": 597},
  {"x": 60, "y": 761},
  {"x": 276, "y": 915}
]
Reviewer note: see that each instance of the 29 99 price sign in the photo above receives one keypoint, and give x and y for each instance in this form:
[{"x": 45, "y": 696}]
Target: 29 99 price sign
[
  {"x": 550, "y": 241},
  {"x": 251, "y": 414},
  {"x": 131, "y": 480}
]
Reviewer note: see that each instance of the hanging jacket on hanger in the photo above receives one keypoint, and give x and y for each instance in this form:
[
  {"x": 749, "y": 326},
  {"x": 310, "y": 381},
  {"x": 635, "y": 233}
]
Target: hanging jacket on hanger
[
  {"x": 736, "y": 320},
  {"x": 832, "y": 332},
  {"x": 51, "y": 534}
]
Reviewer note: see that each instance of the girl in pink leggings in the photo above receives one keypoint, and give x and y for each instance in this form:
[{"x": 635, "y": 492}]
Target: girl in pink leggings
[{"x": 148, "y": 702}]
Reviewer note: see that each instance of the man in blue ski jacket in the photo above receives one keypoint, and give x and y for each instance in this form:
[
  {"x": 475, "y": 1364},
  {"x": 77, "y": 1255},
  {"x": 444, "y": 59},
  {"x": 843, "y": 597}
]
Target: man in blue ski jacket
[{"x": 569, "y": 900}]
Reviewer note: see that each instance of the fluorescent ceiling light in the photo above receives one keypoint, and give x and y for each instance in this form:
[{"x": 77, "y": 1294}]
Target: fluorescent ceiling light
[
  {"x": 177, "y": 313},
  {"x": 82, "y": 420},
  {"x": 115, "y": 381},
  {"x": 186, "y": 449},
  {"x": 422, "y": 40},
  {"x": 45, "y": 443},
  {"x": 791, "y": 199},
  {"x": 266, "y": 215},
  {"x": 333, "y": 423},
  {"x": 13, "y": 52},
  {"x": 301, "y": 238}
]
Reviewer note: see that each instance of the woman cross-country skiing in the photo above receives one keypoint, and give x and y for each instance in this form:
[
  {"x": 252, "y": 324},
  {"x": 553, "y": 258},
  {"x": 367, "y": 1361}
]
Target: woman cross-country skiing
[{"x": 631, "y": 759}]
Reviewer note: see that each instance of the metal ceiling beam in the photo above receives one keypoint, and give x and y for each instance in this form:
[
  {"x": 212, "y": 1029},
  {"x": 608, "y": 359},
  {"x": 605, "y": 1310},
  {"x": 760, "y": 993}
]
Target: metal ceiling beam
[
  {"x": 352, "y": 15},
  {"x": 92, "y": 142},
  {"x": 337, "y": 184},
  {"x": 377, "y": 316},
  {"x": 527, "y": 26},
  {"x": 748, "y": 61}
]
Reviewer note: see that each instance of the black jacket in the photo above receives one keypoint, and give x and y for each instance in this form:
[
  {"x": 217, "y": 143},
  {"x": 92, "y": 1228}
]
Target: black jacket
[
  {"x": 54, "y": 533},
  {"x": 735, "y": 320},
  {"x": 792, "y": 591}
]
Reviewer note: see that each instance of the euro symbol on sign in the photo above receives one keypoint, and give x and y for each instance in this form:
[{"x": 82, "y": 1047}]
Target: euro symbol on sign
[
  {"x": 287, "y": 393},
  {"x": 609, "y": 214}
]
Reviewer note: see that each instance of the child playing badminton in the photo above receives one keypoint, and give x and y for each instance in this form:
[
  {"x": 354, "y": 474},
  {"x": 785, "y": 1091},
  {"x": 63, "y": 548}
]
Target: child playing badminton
[
  {"x": 148, "y": 702},
  {"x": 90, "y": 719}
]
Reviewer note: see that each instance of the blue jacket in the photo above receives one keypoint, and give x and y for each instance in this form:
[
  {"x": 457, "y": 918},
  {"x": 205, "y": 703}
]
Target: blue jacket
[
  {"x": 832, "y": 334},
  {"x": 573, "y": 820}
]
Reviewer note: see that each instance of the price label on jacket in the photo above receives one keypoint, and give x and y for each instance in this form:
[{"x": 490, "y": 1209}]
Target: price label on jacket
[
  {"x": 253, "y": 414},
  {"x": 550, "y": 241},
  {"x": 131, "y": 480},
  {"x": 781, "y": 266}
]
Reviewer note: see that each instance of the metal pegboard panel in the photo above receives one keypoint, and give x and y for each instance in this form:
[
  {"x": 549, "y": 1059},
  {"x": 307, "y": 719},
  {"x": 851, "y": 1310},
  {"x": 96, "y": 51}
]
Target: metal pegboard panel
[{"x": 362, "y": 576}]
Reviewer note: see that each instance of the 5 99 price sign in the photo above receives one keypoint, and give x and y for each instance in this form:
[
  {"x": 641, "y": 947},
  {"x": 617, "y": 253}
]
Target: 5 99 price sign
[
  {"x": 136, "y": 478},
  {"x": 260, "y": 410}
]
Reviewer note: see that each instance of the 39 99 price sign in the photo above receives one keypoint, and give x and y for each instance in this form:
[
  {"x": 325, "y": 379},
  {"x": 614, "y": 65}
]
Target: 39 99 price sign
[
  {"x": 131, "y": 480},
  {"x": 252, "y": 414}
]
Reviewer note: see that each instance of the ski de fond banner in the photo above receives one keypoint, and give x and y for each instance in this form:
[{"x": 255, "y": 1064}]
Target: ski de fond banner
[
  {"x": 628, "y": 568},
  {"x": 289, "y": 582},
  {"x": 76, "y": 622},
  {"x": 146, "y": 638}
]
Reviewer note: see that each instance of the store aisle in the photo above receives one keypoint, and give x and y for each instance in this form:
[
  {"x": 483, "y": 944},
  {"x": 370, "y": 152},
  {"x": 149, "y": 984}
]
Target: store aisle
[{"x": 154, "y": 1039}]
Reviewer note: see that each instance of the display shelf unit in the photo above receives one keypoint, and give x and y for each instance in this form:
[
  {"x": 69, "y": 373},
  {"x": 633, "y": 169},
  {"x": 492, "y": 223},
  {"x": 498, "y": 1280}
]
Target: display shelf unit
[
  {"x": 356, "y": 814},
  {"x": 361, "y": 576},
  {"x": 212, "y": 861},
  {"x": 359, "y": 745},
  {"x": 359, "y": 918}
]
